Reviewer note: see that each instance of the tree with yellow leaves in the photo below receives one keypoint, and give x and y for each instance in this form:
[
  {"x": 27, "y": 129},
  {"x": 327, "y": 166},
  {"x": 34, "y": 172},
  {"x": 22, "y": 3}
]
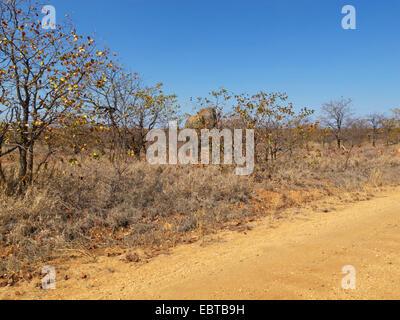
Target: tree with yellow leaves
[
  {"x": 43, "y": 74},
  {"x": 278, "y": 127}
]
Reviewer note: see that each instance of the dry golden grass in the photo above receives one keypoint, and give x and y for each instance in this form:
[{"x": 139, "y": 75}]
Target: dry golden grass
[{"x": 93, "y": 206}]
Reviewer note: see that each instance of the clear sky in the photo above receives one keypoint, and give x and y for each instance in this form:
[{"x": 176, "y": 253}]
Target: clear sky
[{"x": 295, "y": 46}]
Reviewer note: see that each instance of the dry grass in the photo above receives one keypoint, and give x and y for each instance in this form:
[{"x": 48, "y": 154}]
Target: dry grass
[
  {"x": 95, "y": 206},
  {"x": 330, "y": 170}
]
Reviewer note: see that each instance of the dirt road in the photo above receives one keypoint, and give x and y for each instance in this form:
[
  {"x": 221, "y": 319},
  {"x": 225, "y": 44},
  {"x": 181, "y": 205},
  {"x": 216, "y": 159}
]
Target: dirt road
[{"x": 299, "y": 258}]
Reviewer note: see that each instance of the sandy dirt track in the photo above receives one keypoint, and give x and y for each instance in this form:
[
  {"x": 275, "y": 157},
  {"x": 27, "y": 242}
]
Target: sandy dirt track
[{"x": 299, "y": 258}]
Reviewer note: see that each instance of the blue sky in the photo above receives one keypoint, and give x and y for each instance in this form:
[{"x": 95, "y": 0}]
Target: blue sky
[{"x": 295, "y": 46}]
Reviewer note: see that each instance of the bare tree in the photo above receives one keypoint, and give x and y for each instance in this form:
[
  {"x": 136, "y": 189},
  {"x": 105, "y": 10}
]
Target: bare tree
[
  {"x": 129, "y": 108},
  {"x": 376, "y": 121},
  {"x": 356, "y": 131},
  {"x": 335, "y": 117}
]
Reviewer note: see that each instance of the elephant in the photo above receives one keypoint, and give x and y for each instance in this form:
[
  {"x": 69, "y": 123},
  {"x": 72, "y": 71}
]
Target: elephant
[{"x": 205, "y": 119}]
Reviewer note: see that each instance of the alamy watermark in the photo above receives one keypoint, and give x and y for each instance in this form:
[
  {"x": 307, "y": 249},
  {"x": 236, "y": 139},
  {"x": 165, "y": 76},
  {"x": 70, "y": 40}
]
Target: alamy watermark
[
  {"x": 349, "y": 20},
  {"x": 188, "y": 153},
  {"x": 49, "y": 20},
  {"x": 349, "y": 281},
  {"x": 49, "y": 279}
]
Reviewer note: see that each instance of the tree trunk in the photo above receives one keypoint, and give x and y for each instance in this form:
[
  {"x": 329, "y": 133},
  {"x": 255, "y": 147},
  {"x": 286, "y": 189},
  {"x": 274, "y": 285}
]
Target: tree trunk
[
  {"x": 30, "y": 163},
  {"x": 23, "y": 165},
  {"x": 339, "y": 142}
]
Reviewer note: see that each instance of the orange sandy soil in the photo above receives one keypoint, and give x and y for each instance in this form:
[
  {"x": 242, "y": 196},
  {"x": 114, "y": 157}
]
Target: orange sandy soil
[{"x": 300, "y": 257}]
